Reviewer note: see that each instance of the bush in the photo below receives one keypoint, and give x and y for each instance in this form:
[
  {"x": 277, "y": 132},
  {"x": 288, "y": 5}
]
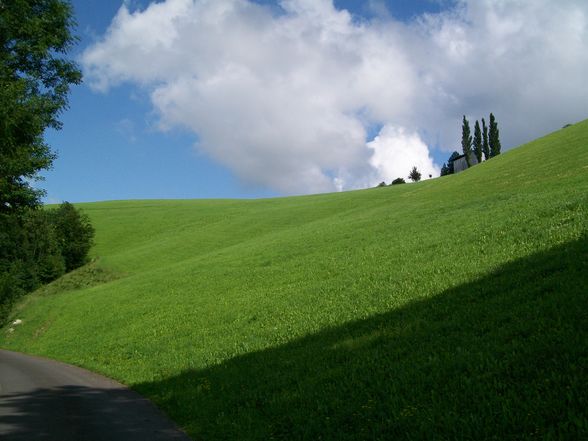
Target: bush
[
  {"x": 75, "y": 235},
  {"x": 9, "y": 292},
  {"x": 38, "y": 246},
  {"x": 42, "y": 249},
  {"x": 398, "y": 181},
  {"x": 29, "y": 255}
]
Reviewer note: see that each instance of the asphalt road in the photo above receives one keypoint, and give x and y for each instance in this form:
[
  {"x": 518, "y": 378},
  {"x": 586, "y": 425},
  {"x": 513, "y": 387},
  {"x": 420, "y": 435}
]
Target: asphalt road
[{"x": 43, "y": 399}]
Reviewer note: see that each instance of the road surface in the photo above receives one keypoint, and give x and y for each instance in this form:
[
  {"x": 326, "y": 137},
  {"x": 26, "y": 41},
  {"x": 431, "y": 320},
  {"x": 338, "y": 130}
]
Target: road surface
[{"x": 46, "y": 400}]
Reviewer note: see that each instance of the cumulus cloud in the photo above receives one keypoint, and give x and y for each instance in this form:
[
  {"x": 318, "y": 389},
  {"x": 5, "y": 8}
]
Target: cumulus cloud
[
  {"x": 286, "y": 98},
  {"x": 523, "y": 60},
  {"x": 395, "y": 151}
]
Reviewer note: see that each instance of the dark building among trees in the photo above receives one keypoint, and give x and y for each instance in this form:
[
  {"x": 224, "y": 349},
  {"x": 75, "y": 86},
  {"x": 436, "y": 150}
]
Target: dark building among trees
[
  {"x": 462, "y": 163},
  {"x": 484, "y": 143}
]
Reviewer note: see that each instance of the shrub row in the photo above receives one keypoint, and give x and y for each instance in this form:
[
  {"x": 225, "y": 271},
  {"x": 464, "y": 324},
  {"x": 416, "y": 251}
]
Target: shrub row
[{"x": 38, "y": 246}]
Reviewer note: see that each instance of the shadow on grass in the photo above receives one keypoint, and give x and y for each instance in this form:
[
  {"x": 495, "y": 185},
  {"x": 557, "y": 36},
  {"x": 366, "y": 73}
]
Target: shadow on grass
[{"x": 505, "y": 357}]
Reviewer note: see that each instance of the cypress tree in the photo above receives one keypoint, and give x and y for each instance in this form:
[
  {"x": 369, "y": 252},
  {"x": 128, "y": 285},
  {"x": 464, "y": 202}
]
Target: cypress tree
[
  {"x": 485, "y": 146},
  {"x": 478, "y": 142},
  {"x": 494, "y": 137},
  {"x": 466, "y": 140}
]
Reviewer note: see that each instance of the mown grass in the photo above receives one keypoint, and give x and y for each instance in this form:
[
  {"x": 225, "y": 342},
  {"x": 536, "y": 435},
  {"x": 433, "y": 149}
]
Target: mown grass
[{"x": 450, "y": 309}]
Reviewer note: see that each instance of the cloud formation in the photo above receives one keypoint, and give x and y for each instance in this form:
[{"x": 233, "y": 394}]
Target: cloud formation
[
  {"x": 286, "y": 98},
  {"x": 395, "y": 152}
]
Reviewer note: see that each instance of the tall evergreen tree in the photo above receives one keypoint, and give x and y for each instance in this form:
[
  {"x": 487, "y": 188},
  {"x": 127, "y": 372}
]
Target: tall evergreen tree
[
  {"x": 478, "y": 142},
  {"x": 494, "y": 137},
  {"x": 485, "y": 146},
  {"x": 466, "y": 139}
]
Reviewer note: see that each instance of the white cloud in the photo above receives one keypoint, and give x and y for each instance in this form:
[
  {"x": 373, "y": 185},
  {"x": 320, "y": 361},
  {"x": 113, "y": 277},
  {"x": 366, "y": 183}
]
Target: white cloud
[
  {"x": 285, "y": 100},
  {"x": 523, "y": 60},
  {"x": 396, "y": 152}
]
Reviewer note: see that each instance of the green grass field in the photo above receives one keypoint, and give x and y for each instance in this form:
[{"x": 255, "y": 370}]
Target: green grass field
[{"x": 455, "y": 308}]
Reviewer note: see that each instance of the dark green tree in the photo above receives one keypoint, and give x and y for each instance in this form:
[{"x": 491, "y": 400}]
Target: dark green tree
[
  {"x": 398, "y": 181},
  {"x": 415, "y": 175},
  {"x": 477, "y": 143},
  {"x": 494, "y": 137},
  {"x": 29, "y": 255},
  {"x": 74, "y": 233},
  {"x": 466, "y": 139},
  {"x": 444, "y": 170},
  {"x": 41, "y": 242},
  {"x": 35, "y": 79},
  {"x": 485, "y": 146}
]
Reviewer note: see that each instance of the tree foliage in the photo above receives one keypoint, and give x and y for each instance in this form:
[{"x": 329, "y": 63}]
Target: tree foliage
[
  {"x": 477, "y": 143},
  {"x": 36, "y": 245},
  {"x": 74, "y": 233},
  {"x": 34, "y": 84},
  {"x": 398, "y": 181},
  {"x": 466, "y": 139},
  {"x": 415, "y": 175},
  {"x": 485, "y": 145},
  {"x": 444, "y": 170},
  {"x": 494, "y": 137}
]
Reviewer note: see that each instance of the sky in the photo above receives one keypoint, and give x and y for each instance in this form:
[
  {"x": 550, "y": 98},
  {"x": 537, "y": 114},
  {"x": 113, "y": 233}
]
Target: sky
[{"x": 249, "y": 99}]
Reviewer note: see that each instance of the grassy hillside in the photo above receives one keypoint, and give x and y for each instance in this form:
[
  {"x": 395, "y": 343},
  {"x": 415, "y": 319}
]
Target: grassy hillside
[{"x": 456, "y": 307}]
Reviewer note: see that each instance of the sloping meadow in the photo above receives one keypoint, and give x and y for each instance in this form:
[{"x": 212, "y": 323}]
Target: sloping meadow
[{"x": 454, "y": 308}]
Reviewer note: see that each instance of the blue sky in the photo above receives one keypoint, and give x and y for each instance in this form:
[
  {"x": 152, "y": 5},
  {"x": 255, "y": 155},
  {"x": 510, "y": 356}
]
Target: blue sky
[
  {"x": 108, "y": 148},
  {"x": 112, "y": 145}
]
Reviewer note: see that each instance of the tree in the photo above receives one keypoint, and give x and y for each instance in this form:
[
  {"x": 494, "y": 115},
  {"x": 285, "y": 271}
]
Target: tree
[
  {"x": 38, "y": 246},
  {"x": 494, "y": 137},
  {"x": 34, "y": 84},
  {"x": 29, "y": 255},
  {"x": 477, "y": 143},
  {"x": 466, "y": 139},
  {"x": 35, "y": 77},
  {"x": 444, "y": 170},
  {"x": 398, "y": 181},
  {"x": 75, "y": 235},
  {"x": 485, "y": 146},
  {"x": 415, "y": 175}
]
